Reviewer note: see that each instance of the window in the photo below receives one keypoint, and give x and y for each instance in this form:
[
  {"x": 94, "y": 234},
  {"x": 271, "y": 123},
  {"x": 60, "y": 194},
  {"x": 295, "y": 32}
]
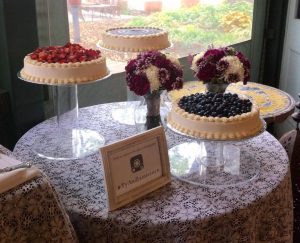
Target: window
[{"x": 193, "y": 25}]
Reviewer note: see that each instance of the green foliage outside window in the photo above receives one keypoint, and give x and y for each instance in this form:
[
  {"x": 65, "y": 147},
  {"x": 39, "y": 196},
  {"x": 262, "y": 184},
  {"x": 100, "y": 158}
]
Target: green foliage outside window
[{"x": 223, "y": 24}]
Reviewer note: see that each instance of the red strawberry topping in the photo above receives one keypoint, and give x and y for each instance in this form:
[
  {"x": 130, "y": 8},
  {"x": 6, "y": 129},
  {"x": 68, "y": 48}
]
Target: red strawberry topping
[{"x": 64, "y": 54}]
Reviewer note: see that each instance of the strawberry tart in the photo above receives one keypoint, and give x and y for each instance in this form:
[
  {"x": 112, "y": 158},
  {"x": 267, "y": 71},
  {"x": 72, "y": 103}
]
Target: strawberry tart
[
  {"x": 135, "y": 39},
  {"x": 68, "y": 64}
]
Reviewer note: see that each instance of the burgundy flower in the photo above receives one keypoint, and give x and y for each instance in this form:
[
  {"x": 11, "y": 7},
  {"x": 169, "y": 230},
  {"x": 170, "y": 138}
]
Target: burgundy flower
[
  {"x": 233, "y": 78},
  {"x": 131, "y": 66},
  {"x": 175, "y": 72},
  {"x": 214, "y": 54},
  {"x": 139, "y": 84},
  {"x": 210, "y": 67},
  {"x": 175, "y": 79},
  {"x": 221, "y": 66},
  {"x": 177, "y": 84},
  {"x": 163, "y": 75},
  {"x": 161, "y": 62},
  {"x": 243, "y": 60},
  {"x": 169, "y": 75},
  {"x": 206, "y": 71},
  {"x": 246, "y": 65}
]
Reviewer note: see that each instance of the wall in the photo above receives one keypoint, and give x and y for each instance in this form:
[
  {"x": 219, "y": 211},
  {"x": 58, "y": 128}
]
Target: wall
[{"x": 17, "y": 19}]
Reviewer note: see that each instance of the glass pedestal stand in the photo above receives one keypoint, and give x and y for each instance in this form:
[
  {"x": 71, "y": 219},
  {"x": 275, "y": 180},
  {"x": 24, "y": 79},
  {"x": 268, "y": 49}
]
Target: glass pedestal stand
[
  {"x": 67, "y": 140},
  {"x": 212, "y": 163}
]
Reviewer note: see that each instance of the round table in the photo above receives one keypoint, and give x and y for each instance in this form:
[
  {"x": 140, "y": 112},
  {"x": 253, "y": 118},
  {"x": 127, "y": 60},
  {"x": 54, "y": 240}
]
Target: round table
[
  {"x": 275, "y": 105},
  {"x": 258, "y": 211}
]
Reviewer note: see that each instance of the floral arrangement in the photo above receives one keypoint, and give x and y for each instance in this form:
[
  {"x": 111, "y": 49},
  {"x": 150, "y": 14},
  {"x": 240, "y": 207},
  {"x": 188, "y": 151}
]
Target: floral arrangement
[
  {"x": 153, "y": 71},
  {"x": 222, "y": 65}
]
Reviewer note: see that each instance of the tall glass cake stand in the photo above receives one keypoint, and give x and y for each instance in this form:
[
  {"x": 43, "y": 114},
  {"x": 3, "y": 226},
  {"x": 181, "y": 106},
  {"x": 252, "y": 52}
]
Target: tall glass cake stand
[
  {"x": 212, "y": 163},
  {"x": 67, "y": 140}
]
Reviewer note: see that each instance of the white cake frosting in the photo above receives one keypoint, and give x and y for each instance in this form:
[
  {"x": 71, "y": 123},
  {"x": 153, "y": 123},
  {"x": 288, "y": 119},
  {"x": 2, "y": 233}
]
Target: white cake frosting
[
  {"x": 63, "y": 73},
  {"x": 219, "y": 128},
  {"x": 135, "y": 39}
]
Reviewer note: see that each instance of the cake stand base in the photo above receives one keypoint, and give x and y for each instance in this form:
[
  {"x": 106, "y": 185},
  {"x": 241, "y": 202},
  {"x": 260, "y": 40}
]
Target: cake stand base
[
  {"x": 124, "y": 113},
  {"x": 212, "y": 164},
  {"x": 65, "y": 144}
]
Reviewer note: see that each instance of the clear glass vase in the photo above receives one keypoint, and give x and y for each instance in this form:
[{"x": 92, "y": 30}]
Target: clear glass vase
[
  {"x": 216, "y": 87},
  {"x": 151, "y": 111}
]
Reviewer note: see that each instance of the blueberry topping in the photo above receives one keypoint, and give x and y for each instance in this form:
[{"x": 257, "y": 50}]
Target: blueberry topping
[{"x": 215, "y": 105}]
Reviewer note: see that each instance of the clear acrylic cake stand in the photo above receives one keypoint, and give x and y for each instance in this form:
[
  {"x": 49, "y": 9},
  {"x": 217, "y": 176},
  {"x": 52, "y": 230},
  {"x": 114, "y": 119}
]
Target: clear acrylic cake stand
[
  {"x": 67, "y": 140},
  {"x": 212, "y": 163}
]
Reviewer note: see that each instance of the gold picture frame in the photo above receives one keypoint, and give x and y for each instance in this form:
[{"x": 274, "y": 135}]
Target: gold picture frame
[{"x": 135, "y": 167}]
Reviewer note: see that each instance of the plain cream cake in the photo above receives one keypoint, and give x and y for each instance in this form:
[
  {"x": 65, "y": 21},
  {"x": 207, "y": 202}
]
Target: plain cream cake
[
  {"x": 216, "y": 116},
  {"x": 135, "y": 39},
  {"x": 68, "y": 64}
]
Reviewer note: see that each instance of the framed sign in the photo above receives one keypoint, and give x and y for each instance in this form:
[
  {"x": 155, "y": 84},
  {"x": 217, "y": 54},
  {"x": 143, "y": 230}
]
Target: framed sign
[{"x": 135, "y": 167}]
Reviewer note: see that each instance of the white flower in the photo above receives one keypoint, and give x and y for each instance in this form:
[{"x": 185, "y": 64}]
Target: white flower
[
  {"x": 174, "y": 60},
  {"x": 152, "y": 75},
  {"x": 195, "y": 60},
  {"x": 235, "y": 67}
]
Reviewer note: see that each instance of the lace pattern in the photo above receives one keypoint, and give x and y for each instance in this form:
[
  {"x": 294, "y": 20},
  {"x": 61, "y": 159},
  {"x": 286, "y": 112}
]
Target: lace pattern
[
  {"x": 259, "y": 211},
  {"x": 32, "y": 212}
]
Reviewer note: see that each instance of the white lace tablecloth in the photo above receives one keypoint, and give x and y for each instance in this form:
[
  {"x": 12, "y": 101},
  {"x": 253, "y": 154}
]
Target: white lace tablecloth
[{"x": 259, "y": 211}]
